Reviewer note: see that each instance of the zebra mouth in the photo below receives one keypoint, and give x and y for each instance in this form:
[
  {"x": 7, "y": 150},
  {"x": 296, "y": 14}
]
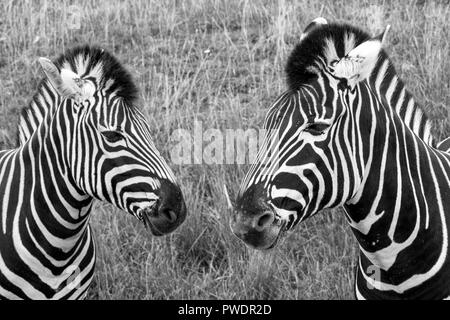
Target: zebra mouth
[
  {"x": 145, "y": 216},
  {"x": 280, "y": 235}
]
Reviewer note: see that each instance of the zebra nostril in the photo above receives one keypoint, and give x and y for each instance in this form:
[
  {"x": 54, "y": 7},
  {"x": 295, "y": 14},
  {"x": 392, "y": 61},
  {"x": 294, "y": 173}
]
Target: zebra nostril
[
  {"x": 168, "y": 214},
  {"x": 265, "y": 220}
]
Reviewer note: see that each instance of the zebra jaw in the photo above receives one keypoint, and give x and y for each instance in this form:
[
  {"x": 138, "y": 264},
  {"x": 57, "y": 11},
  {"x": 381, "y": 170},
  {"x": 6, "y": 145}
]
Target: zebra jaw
[
  {"x": 145, "y": 214},
  {"x": 280, "y": 235}
]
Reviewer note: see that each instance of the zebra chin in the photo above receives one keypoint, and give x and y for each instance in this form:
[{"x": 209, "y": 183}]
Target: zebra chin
[{"x": 166, "y": 213}]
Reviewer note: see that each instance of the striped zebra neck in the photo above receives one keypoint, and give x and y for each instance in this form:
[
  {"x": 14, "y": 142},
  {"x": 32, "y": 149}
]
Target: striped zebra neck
[
  {"x": 391, "y": 90},
  {"x": 400, "y": 216},
  {"x": 44, "y": 102},
  {"x": 47, "y": 250}
]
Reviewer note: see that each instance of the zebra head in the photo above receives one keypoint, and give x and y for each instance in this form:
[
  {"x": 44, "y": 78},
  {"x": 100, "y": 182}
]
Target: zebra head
[
  {"x": 312, "y": 155},
  {"x": 107, "y": 149}
]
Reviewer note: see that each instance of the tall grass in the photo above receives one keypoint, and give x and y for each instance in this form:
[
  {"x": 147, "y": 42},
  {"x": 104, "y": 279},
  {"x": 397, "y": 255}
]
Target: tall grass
[{"x": 220, "y": 62}]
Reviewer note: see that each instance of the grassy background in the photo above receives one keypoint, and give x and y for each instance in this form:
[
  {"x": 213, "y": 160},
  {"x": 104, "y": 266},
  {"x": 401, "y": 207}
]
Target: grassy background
[{"x": 220, "y": 62}]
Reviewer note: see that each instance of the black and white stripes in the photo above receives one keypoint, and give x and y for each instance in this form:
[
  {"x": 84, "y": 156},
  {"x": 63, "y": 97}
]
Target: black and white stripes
[
  {"x": 349, "y": 133},
  {"x": 81, "y": 139}
]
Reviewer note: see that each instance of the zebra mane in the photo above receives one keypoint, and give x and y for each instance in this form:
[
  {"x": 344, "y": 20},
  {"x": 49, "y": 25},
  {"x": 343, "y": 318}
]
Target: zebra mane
[
  {"x": 328, "y": 43},
  {"x": 321, "y": 46},
  {"x": 108, "y": 72},
  {"x": 86, "y": 61}
]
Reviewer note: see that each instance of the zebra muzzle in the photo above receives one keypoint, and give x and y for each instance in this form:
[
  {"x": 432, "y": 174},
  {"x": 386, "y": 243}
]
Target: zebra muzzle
[
  {"x": 160, "y": 218},
  {"x": 147, "y": 213}
]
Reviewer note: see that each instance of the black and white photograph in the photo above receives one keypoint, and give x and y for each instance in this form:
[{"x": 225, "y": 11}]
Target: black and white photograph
[{"x": 224, "y": 156}]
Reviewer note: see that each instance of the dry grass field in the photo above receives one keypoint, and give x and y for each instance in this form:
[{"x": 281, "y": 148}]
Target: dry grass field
[{"x": 220, "y": 62}]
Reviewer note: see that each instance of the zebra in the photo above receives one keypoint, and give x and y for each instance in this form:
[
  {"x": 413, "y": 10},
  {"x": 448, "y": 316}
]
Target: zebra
[
  {"x": 348, "y": 133},
  {"x": 81, "y": 138}
]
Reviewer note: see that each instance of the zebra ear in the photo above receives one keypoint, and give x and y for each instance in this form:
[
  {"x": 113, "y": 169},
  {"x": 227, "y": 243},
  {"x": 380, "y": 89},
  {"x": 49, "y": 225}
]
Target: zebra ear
[
  {"x": 358, "y": 64},
  {"x": 316, "y": 22},
  {"x": 66, "y": 82}
]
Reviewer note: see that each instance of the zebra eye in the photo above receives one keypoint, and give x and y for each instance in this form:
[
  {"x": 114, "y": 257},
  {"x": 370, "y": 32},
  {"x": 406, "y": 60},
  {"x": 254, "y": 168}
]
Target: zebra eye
[
  {"x": 112, "y": 136},
  {"x": 316, "y": 128}
]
